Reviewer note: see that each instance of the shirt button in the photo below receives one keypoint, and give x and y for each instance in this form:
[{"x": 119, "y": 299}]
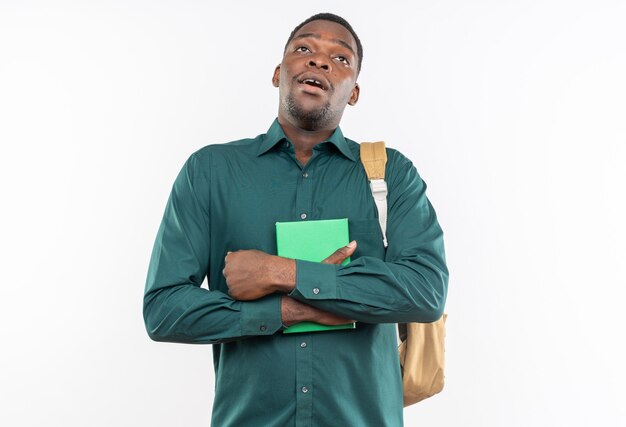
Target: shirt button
[
  {"x": 303, "y": 344},
  {"x": 263, "y": 328},
  {"x": 305, "y": 390},
  {"x": 303, "y": 216},
  {"x": 305, "y": 175},
  {"x": 316, "y": 291},
  {"x": 286, "y": 144}
]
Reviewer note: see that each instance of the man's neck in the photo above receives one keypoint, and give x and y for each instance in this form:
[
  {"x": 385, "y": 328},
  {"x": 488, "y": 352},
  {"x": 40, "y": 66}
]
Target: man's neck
[{"x": 304, "y": 140}]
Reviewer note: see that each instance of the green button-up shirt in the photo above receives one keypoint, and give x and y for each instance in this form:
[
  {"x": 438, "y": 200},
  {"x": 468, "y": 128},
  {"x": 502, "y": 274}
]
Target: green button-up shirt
[{"x": 229, "y": 197}]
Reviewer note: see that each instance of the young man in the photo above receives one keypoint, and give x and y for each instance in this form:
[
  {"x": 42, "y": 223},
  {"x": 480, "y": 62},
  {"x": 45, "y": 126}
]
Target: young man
[{"x": 220, "y": 222}]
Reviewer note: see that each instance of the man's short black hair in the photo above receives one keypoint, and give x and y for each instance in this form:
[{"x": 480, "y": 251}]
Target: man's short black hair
[{"x": 339, "y": 20}]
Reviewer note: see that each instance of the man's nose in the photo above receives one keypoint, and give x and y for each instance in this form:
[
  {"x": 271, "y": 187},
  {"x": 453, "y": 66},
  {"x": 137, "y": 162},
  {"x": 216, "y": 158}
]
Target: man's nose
[{"x": 319, "y": 62}]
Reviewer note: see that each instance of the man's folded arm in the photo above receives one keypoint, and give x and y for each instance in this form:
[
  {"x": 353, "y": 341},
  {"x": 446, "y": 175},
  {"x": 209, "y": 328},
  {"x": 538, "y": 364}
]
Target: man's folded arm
[
  {"x": 175, "y": 307},
  {"x": 409, "y": 285},
  {"x": 189, "y": 314}
]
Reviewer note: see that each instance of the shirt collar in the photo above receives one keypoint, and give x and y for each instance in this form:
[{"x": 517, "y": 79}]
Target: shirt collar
[{"x": 275, "y": 134}]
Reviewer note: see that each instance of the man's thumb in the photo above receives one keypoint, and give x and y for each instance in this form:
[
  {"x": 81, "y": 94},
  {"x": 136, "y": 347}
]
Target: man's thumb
[{"x": 341, "y": 254}]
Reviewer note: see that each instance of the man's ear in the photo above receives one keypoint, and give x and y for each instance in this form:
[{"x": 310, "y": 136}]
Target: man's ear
[
  {"x": 355, "y": 94},
  {"x": 276, "y": 76}
]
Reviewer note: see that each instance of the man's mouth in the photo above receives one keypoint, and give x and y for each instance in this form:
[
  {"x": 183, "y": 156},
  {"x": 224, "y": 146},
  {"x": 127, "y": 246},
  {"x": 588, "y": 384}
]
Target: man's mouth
[{"x": 313, "y": 82}]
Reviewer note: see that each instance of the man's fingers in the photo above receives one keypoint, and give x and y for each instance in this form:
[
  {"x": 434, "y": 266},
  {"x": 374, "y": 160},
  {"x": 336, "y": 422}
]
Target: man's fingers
[
  {"x": 341, "y": 254},
  {"x": 338, "y": 321},
  {"x": 332, "y": 319}
]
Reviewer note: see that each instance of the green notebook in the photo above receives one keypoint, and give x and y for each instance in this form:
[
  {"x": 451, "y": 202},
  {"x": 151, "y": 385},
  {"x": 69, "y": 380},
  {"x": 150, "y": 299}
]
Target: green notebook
[{"x": 312, "y": 241}]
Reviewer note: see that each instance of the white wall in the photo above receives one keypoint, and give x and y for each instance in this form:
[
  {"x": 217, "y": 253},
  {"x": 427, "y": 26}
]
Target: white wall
[{"x": 513, "y": 111}]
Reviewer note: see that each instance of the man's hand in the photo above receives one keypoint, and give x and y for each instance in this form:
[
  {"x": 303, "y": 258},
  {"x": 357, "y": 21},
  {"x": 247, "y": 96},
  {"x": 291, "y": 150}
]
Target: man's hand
[
  {"x": 294, "y": 311},
  {"x": 341, "y": 254},
  {"x": 252, "y": 274}
]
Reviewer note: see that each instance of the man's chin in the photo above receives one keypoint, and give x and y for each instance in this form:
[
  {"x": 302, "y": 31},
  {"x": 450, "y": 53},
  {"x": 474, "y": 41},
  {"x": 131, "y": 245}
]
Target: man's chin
[
  {"x": 308, "y": 116},
  {"x": 310, "y": 106}
]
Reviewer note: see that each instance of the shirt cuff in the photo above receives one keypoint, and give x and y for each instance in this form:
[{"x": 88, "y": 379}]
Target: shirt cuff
[
  {"x": 261, "y": 317},
  {"x": 315, "y": 280}
]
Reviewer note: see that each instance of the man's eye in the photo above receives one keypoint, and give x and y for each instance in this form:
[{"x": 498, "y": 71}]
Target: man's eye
[
  {"x": 302, "y": 49},
  {"x": 343, "y": 59}
]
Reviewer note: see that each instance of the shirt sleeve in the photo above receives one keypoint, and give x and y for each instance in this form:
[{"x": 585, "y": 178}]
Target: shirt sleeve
[
  {"x": 409, "y": 285},
  {"x": 175, "y": 307}
]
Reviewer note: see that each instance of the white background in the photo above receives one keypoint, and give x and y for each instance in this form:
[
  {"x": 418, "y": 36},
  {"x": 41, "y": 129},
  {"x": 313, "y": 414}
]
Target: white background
[{"x": 513, "y": 111}]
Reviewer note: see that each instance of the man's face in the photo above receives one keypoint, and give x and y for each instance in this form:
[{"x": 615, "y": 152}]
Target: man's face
[{"x": 317, "y": 77}]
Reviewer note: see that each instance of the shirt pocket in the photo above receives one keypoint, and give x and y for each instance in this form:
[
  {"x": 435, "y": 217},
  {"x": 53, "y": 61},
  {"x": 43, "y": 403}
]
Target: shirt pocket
[{"x": 368, "y": 237}]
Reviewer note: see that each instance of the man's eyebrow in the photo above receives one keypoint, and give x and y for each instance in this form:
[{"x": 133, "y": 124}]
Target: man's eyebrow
[{"x": 317, "y": 36}]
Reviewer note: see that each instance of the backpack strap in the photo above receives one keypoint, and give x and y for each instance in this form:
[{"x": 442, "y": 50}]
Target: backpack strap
[{"x": 374, "y": 159}]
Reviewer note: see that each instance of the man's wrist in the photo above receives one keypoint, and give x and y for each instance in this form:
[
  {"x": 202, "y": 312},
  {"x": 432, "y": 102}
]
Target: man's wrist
[
  {"x": 290, "y": 311},
  {"x": 283, "y": 274}
]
